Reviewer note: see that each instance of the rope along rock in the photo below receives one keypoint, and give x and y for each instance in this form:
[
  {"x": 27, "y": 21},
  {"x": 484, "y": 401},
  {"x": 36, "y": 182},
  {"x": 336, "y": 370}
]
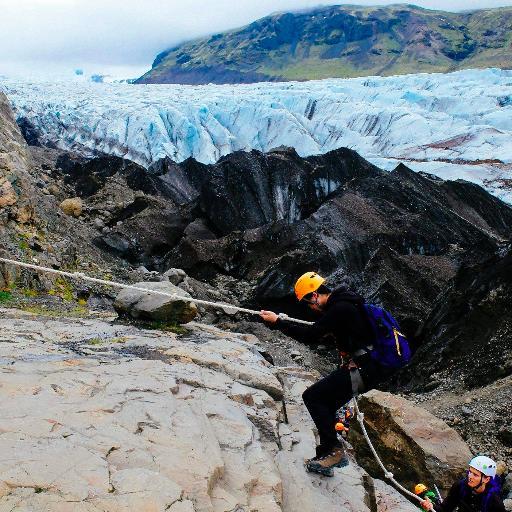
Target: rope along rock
[
  {"x": 81, "y": 276},
  {"x": 226, "y": 307},
  {"x": 387, "y": 474}
]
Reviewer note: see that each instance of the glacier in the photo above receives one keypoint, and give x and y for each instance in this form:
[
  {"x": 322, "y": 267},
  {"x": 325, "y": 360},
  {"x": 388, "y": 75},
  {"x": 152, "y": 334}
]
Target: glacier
[{"x": 456, "y": 125}]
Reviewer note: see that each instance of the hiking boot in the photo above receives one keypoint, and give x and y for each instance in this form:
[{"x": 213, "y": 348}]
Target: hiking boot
[
  {"x": 344, "y": 462},
  {"x": 319, "y": 452},
  {"x": 341, "y": 464},
  {"x": 324, "y": 464},
  {"x": 312, "y": 468}
]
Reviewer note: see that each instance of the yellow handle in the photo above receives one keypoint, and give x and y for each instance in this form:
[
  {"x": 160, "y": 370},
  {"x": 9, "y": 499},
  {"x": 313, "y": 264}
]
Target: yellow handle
[{"x": 397, "y": 333}]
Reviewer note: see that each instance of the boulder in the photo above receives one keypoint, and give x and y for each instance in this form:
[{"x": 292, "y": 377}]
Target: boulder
[
  {"x": 72, "y": 206},
  {"x": 150, "y": 306},
  {"x": 413, "y": 444},
  {"x": 7, "y": 193},
  {"x": 174, "y": 276}
]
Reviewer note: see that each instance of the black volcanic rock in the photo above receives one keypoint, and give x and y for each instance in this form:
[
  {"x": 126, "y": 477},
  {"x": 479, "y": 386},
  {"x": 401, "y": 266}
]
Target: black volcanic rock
[
  {"x": 247, "y": 190},
  {"x": 266, "y": 218},
  {"x": 468, "y": 336},
  {"x": 400, "y": 236}
]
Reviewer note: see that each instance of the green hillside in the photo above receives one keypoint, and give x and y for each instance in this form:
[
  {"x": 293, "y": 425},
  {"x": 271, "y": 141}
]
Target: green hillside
[{"x": 342, "y": 41}]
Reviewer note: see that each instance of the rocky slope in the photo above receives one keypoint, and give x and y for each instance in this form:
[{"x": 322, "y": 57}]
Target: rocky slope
[
  {"x": 465, "y": 361},
  {"x": 261, "y": 219},
  {"x": 96, "y": 416},
  {"x": 472, "y": 318},
  {"x": 32, "y": 226},
  {"x": 265, "y": 218},
  {"x": 341, "y": 41}
]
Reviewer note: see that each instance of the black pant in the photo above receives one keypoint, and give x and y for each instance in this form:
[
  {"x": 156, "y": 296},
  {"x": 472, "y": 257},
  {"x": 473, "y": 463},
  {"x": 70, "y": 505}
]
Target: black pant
[{"x": 327, "y": 395}]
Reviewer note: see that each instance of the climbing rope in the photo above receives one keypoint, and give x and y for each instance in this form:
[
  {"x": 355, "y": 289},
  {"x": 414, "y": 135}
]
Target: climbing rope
[
  {"x": 228, "y": 308},
  {"x": 387, "y": 474}
]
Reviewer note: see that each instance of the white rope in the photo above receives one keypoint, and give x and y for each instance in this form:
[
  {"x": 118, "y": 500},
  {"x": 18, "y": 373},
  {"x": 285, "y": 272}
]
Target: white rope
[
  {"x": 81, "y": 276},
  {"x": 387, "y": 474}
]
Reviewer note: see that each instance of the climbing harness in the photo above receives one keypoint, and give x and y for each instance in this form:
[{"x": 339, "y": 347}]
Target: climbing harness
[
  {"x": 228, "y": 308},
  {"x": 360, "y": 418}
]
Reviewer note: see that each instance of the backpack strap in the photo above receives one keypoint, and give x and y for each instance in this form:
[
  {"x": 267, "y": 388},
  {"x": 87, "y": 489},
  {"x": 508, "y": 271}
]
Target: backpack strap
[{"x": 397, "y": 333}]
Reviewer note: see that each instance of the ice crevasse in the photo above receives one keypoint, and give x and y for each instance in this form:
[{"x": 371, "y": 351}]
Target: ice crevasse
[{"x": 456, "y": 125}]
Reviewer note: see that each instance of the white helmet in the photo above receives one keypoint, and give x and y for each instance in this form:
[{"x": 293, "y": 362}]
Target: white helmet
[{"x": 483, "y": 464}]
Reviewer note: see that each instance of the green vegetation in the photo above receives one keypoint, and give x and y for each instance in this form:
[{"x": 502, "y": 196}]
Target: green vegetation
[
  {"x": 165, "y": 326},
  {"x": 54, "y": 312},
  {"x": 106, "y": 341},
  {"x": 63, "y": 289},
  {"x": 343, "y": 41},
  {"x": 29, "y": 292},
  {"x": 5, "y": 296}
]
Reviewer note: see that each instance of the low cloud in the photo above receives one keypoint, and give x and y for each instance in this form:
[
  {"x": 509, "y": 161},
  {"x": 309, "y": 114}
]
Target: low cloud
[{"x": 131, "y": 33}]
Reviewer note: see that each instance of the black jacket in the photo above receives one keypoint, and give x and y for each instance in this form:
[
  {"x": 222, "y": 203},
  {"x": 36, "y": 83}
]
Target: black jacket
[
  {"x": 343, "y": 318},
  {"x": 463, "y": 499}
]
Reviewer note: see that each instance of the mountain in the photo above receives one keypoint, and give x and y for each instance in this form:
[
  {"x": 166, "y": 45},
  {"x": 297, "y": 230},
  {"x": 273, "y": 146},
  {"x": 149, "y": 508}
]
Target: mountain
[
  {"x": 341, "y": 41},
  {"x": 456, "y": 125}
]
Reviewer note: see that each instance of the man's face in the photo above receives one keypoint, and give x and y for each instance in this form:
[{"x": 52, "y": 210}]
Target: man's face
[
  {"x": 313, "y": 302},
  {"x": 475, "y": 478}
]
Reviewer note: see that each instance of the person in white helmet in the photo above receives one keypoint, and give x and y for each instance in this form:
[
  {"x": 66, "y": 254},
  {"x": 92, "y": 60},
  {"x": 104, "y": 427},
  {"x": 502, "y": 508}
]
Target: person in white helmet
[{"x": 477, "y": 492}]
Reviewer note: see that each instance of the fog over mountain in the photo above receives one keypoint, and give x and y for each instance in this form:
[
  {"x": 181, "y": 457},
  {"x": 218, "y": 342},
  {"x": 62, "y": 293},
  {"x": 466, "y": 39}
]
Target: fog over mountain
[{"x": 123, "y": 37}]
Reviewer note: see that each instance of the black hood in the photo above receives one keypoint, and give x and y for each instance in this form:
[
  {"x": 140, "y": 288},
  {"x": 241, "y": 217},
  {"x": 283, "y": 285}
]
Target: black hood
[{"x": 346, "y": 295}]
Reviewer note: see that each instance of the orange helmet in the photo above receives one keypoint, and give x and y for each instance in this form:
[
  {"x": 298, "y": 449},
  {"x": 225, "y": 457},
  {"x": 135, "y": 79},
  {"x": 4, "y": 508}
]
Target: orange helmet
[
  {"x": 419, "y": 489},
  {"x": 307, "y": 283}
]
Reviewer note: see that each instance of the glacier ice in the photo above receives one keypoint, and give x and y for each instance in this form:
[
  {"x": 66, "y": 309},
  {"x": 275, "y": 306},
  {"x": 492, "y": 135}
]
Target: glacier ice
[{"x": 456, "y": 125}]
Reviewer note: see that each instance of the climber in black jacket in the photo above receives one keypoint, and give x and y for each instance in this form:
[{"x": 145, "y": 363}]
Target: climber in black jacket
[
  {"x": 344, "y": 319},
  {"x": 479, "y": 491}
]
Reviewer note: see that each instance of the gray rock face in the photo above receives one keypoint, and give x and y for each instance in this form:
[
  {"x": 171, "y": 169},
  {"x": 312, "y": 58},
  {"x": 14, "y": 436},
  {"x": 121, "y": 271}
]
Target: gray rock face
[
  {"x": 150, "y": 306},
  {"x": 123, "y": 419},
  {"x": 417, "y": 446},
  {"x": 13, "y": 148}
]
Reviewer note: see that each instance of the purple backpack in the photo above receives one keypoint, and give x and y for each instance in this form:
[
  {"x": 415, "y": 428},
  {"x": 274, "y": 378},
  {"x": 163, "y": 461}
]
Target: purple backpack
[{"x": 390, "y": 346}]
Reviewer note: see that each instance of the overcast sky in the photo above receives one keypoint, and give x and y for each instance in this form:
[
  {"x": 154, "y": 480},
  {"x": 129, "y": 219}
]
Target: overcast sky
[{"x": 124, "y": 36}]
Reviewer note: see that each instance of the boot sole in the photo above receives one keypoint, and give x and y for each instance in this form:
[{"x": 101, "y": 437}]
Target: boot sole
[
  {"x": 319, "y": 470},
  {"x": 343, "y": 463}
]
